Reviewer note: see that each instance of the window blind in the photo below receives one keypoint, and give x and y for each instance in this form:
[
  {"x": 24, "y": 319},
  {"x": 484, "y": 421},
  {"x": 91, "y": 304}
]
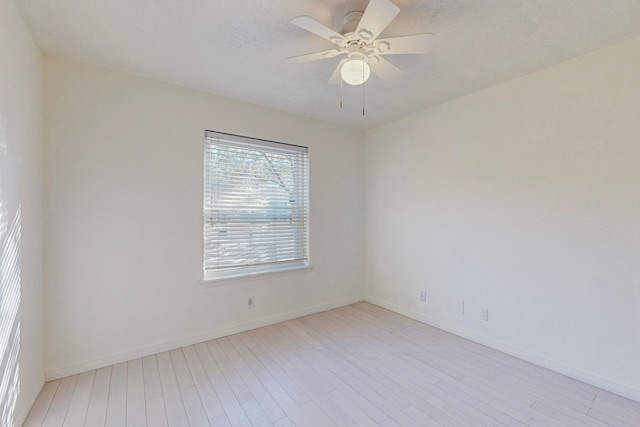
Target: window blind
[{"x": 255, "y": 209}]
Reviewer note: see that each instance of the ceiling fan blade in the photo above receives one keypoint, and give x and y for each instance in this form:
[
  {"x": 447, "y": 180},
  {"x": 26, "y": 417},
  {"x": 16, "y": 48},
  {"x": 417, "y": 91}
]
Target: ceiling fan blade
[
  {"x": 418, "y": 43},
  {"x": 313, "y": 26},
  {"x": 335, "y": 77},
  {"x": 386, "y": 70},
  {"x": 325, "y": 54},
  {"x": 377, "y": 16}
]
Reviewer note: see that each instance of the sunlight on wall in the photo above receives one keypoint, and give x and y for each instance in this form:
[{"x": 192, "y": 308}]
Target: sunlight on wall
[
  {"x": 9, "y": 324},
  {"x": 10, "y": 282}
]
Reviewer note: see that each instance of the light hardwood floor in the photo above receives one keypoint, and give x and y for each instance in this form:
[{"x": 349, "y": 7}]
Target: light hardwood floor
[{"x": 357, "y": 365}]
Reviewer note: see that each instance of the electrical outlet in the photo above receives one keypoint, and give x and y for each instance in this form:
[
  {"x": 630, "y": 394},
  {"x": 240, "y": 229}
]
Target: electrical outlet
[
  {"x": 484, "y": 314},
  {"x": 423, "y": 296},
  {"x": 460, "y": 307},
  {"x": 251, "y": 302}
]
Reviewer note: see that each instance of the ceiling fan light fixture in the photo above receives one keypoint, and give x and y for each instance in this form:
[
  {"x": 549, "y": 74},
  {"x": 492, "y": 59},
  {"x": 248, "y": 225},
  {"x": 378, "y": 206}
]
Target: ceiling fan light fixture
[{"x": 355, "y": 72}]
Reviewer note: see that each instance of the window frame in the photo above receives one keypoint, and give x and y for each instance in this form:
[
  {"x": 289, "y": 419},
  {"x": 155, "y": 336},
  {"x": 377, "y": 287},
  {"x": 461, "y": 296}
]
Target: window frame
[{"x": 212, "y": 276}]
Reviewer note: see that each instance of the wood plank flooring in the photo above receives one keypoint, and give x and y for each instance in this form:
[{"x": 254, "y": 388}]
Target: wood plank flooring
[{"x": 359, "y": 365}]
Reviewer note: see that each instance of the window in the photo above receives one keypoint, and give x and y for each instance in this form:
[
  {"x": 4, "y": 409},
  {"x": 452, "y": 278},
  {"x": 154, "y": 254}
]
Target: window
[{"x": 256, "y": 210}]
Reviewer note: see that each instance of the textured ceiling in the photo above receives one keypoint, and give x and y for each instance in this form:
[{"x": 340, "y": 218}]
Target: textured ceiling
[{"x": 236, "y": 48}]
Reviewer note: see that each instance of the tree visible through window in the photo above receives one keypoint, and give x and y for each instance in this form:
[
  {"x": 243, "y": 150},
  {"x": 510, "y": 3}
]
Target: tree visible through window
[{"x": 255, "y": 205}]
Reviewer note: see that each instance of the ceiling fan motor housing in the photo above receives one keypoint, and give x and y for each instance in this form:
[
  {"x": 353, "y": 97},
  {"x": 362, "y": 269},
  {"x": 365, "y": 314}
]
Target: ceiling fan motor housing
[{"x": 355, "y": 50}]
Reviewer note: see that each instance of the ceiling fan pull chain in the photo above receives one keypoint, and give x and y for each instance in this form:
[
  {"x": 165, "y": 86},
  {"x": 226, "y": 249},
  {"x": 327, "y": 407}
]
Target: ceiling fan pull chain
[
  {"x": 363, "y": 85},
  {"x": 340, "y": 93}
]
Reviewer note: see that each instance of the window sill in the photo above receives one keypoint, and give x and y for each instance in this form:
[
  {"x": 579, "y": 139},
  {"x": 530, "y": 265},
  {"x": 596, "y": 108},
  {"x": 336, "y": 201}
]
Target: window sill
[{"x": 228, "y": 280}]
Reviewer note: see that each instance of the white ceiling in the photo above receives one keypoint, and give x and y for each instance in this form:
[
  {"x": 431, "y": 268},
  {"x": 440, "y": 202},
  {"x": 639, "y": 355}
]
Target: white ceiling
[{"x": 236, "y": 48}]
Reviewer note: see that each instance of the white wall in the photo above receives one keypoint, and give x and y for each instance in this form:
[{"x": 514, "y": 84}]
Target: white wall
[
  {"x": 123, "y": 222},
  {"x": 21, "y": 370},
  {"x": 525, "y": 199}
]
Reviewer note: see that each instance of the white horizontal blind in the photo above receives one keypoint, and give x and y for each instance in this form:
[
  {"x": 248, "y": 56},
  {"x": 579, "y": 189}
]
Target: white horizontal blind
[{"x": 255, "y": 204}]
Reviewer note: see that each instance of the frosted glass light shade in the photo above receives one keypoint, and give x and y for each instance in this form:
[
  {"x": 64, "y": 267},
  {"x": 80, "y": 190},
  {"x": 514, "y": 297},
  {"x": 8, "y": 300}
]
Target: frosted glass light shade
[{"x": 355, "y": 72}]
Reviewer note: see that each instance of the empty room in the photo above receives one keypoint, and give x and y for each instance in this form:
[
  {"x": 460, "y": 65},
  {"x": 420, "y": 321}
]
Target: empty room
[{"x": 320, "y": 213}]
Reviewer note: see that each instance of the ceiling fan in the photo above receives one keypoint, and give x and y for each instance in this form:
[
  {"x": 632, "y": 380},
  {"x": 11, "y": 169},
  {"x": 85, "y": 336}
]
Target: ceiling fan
[{"x": 365, "y": 52}]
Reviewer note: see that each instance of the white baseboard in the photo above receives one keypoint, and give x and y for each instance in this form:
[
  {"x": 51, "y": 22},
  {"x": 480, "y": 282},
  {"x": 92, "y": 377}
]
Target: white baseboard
[
  {"x": 31, "y": 394},
  {"x": 78, "y": 368},
  {"x": 603, "y": 383}
]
